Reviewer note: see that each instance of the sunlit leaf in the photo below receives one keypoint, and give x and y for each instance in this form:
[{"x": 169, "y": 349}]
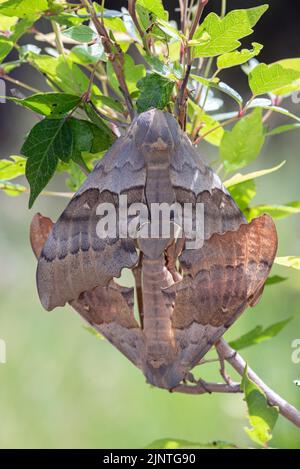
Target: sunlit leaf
[
  {"x": 276, "y": 211},
  {"x": 23, "y": 8},
  {"x": 225, "y": 32},
  {"x": 12, "y": 168},
  {"x": 63, "y": 73},
  {"x": 153, "y": 6},
  {"x": 49, "y": 104},
  {"x": 292, "y": 64},
  {"x": 238, "y": 178},
  {"x": 268, "y": 78},
  {"x": 231, "y": 59},
  {"x": 289, "y": 261},
  {"x": 209, "y": 128},
  {"x": 243, "y": 193},
  {"x": 262, "y": 417},
  {"x": 241, "y": 145}
]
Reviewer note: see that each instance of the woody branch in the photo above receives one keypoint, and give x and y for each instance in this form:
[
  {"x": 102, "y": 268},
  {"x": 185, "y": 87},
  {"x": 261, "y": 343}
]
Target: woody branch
[{"x": 239, "y": 365}]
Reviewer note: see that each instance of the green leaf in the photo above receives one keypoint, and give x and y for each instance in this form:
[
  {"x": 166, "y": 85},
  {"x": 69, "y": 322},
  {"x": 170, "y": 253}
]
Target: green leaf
[
  {"x": 85, "y": 54},
  {"x": 115, "y": 24},
  {"x": 281, "y": 129},
  {"x": 239, "y": 178},
  {"x": 292, "y": 64},
  {"x": 241, "y": 145},
  {"x": 156, "y": 92},
  {"x": 169, "y": 29},
  {"x": 87, "y": 137},
  {"x": 76, "y": 177},
  {"x": 225, "y": 32},
  {"x": 23, "y": 8},
  {"x": 63, "y": 73},
  {"x": 258, "y": 335},
  {"x": 109, "y": 102},
  {"x": 7, "y": 23},
  {"x": 267, "y": 104},
  {"x": 276, "y": 211},
  {"x": 10, "y": 169},
  {"x": 82, "y": 138},
  {"x": 274, "y": 279},
  {"x": 232, "y": 59},
  {"x": 207, "y": 123},
  {"x": 243, "y": 193},
  {"x": 80, "y": 33},
  {"x": 49, "y": 104},
  {"x": 104, "y": 138},
  {"x": 221, "y": 86},
  {"x": 5, "y": 48},
  {"x": 268, "y": 78},
  {"x": 154, "y": 6},
  {"x": 262, "y": 417},
  {"x": 133, "y": 73},
  {"x": 289, "y": 261},
  {"x": 21, "y": 27},
  {"x": 175, "y": 443},
  {"x": 12, "y": 189},
  {"x": 47, "y": 141},
  {"x": 66, "y": 19}
]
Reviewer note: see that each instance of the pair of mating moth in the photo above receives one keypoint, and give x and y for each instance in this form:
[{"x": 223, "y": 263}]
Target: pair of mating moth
[{"x": 186, "y": 298}]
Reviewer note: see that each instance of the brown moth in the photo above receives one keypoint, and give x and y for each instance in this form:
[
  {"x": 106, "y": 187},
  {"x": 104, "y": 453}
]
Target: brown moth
[{"x": 186, "y": 298}]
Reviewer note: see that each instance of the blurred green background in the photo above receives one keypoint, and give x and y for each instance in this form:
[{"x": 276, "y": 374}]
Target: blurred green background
[{"x": 62, "y": 387}]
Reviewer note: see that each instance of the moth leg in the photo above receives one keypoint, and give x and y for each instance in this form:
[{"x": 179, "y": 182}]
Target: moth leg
[
  {"x": 137, "y": 273},
  {"x": 172, "y": 253},
  {"x": 190, "y": 378},
  {"x": 225, "y": 376}
]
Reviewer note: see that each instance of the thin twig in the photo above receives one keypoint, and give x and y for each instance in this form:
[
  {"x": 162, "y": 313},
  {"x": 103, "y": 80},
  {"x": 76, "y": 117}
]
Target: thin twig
[
  {"x": 180, "y": 106},
  {"x": 239, "y": 364},
  {"x": 202, "y": 387},
  {"x": 20, "y": 83},
  {"x": 223, "y": 8},
  {"x": 114, "y": 52},
  {"x": 132, "y": 12},
  {"x": 203, "y": 136}
]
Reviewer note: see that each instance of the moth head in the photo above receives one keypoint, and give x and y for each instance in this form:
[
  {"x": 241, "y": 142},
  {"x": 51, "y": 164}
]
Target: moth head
[{"x": 156, "y": 131}]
